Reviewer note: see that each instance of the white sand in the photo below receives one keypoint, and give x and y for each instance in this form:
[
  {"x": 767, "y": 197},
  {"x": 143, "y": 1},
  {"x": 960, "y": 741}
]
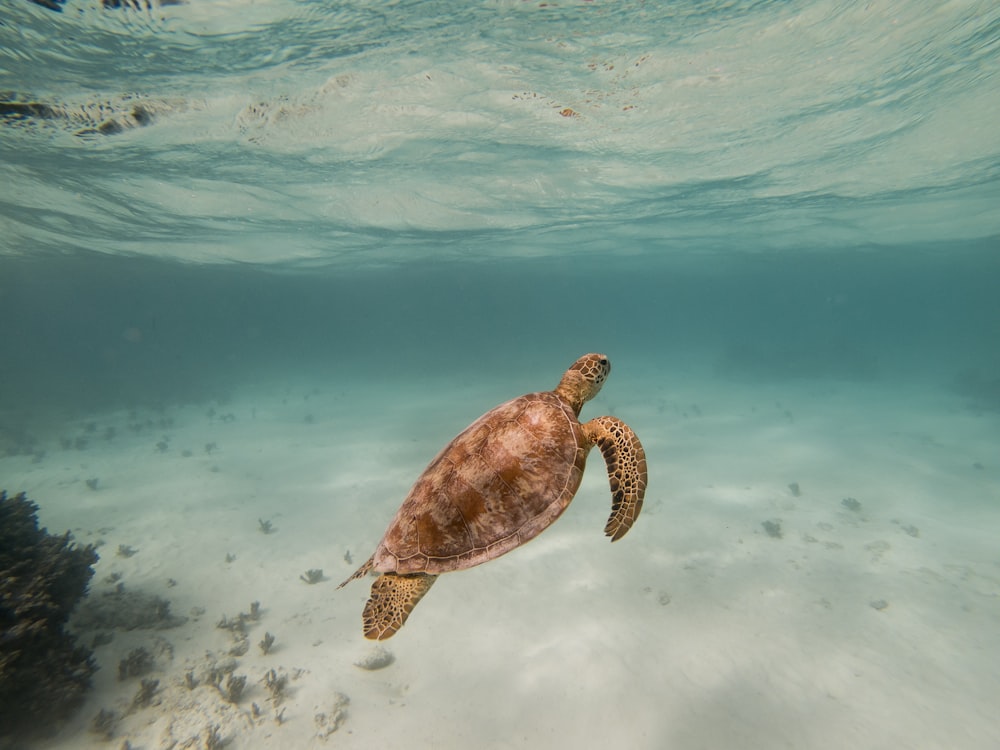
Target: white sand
[{"x": 698, "y": 630}]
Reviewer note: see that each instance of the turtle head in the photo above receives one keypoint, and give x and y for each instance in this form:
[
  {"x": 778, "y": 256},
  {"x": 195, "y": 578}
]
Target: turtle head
[{"x": 583, "y": 380}]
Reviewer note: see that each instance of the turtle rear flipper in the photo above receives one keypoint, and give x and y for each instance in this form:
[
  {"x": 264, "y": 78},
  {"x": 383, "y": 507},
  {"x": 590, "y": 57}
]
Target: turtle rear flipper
[
  {"x": 393, "y": 598},
  {"x": 626, "y": 460}
]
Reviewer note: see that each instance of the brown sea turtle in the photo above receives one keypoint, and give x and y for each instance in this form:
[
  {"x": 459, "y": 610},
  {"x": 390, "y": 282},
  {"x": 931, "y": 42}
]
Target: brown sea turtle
[{"x": 501, "y": 482}]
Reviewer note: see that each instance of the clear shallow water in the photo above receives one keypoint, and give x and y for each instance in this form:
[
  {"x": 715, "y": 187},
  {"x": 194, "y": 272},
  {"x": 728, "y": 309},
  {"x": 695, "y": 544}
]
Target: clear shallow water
[
  {"x": 751, "y": 207},
  {"x": 370, "y": 133},
  {"x": 789, "y": 179}
]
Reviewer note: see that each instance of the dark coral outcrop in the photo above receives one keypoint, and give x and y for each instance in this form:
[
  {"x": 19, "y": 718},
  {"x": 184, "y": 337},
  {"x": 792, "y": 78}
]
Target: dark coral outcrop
[{"x": 44, "y": 672}]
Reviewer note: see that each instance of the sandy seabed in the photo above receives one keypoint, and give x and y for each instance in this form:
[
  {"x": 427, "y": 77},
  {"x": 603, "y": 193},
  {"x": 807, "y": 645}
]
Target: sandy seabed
[{"x": 816, "y": 566}]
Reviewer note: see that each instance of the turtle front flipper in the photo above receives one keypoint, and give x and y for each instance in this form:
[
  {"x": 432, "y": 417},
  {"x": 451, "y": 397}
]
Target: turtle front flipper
[
  {"x": 626, "y": 462},
  {"x": 393, "y": 598}
]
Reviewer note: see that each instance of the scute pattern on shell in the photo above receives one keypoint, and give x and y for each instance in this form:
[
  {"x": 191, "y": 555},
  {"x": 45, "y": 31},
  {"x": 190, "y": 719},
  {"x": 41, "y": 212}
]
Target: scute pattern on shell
[{"x": 498, "y": 484}]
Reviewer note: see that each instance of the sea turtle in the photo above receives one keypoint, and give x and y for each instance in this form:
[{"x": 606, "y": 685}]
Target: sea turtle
[{"x": 501, "y": 482}]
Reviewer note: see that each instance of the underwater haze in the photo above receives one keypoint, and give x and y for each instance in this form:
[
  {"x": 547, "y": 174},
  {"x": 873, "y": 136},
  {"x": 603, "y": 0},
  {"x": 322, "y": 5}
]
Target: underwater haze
[{"x": 260, "y": 261}]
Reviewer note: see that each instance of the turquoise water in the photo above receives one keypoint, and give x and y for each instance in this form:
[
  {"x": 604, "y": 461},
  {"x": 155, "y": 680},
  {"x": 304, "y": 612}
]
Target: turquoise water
[
  {"x": 441, "y": 205},
  {"x": 344, "y": 182}
]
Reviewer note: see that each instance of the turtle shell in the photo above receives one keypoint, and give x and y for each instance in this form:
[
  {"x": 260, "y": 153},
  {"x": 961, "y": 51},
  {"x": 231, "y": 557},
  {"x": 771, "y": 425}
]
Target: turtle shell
[{"x": 498, "y": 484}]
